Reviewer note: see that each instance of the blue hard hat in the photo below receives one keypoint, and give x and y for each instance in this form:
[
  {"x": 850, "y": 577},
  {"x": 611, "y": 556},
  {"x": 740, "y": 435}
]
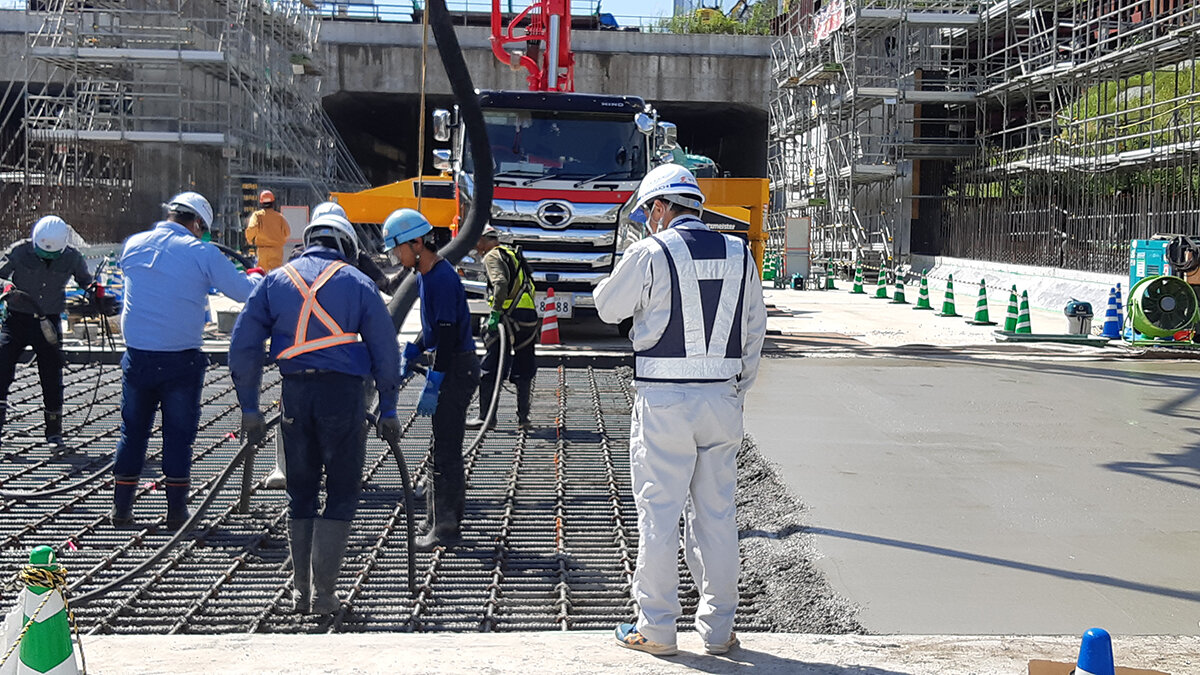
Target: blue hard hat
[{"x": 404, "y": 225}]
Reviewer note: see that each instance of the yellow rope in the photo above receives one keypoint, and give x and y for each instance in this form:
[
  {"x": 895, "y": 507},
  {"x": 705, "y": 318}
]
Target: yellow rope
[
  {"x": 420, "y": 184},
  {"x": 54, "y": 578}
]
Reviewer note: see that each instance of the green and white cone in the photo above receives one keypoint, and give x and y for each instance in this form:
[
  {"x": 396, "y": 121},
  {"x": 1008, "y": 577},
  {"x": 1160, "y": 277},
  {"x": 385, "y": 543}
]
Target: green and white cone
[
  {"x": 829, "y": 278},
  {"x": 981, "y": 307},
  {"x": 881, "y": 286},
  {"x": 898, "y": 298},
  {"x": 46, "y": 647},
  {"x": 948, "y": 308},
  {"x": 858, "y": 287},
  {"x": 1023, "y": 324},
  {"x": 1010, "y": 317},
  {"x": 923, "y": 294}
]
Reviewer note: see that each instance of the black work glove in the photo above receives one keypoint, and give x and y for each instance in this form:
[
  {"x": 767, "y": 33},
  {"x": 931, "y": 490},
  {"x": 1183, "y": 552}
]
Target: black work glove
[
  {"x": 254, "y": 427},
  {"x": 389, "y": 428}
]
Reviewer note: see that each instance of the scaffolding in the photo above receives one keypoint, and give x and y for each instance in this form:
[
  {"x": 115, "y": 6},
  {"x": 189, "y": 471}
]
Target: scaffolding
[
  {"x": 872, "y": 95},
  {"x": 1039, "y": 132},
  {"x": 123, "y": 103}
]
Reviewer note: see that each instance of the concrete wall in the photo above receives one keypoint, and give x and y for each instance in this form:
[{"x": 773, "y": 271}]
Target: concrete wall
[{"x": 386, "y": 58}]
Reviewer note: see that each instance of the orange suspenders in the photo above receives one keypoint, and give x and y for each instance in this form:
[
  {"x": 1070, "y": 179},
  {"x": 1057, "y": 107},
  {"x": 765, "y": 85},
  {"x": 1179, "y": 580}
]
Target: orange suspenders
[{"x": 311, "y": 307}]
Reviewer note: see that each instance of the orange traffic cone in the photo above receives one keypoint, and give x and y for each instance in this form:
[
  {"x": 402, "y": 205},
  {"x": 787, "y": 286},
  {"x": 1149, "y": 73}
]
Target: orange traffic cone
[{"x": 550, "y": 320}]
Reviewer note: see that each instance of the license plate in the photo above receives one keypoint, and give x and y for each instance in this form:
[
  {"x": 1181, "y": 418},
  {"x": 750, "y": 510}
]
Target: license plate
[{"x": 564, "y": 304}]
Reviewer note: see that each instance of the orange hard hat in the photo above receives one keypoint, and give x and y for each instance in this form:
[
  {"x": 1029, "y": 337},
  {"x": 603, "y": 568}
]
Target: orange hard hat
[{"x": 266, "y": 196}]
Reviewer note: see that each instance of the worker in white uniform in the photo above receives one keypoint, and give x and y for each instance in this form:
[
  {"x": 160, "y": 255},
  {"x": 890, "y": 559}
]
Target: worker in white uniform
[{"x": 698, "y": 326}]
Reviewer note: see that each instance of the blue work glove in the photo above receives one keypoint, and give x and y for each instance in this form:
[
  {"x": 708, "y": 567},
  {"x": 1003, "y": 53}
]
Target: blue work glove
[
  {"x": 429, "y": 397},
  {"x": 409, "y": 359},
  {"x": 493, "y": 321}
]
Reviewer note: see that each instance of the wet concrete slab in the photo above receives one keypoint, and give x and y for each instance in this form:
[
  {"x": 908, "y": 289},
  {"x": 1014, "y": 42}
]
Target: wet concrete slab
[{"x": 954, "y": 494}]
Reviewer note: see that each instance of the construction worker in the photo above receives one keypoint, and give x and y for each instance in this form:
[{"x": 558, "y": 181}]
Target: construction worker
[
  {"x": 510, "y": 290},
  {"x": 329, "y": 331},
  {"x": 267, "y": 232},
  {"x": 38, "y": 270},
  {"x": 698, "y": 325},
  {"x": 168, "y": 273},
  {"x": 449, "y": 384}
]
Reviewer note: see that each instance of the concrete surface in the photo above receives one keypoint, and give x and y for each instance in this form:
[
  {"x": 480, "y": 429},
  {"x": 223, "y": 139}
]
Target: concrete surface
[
  {"x": 968, "y": 496},
  {"x": 595, "y": 652}
]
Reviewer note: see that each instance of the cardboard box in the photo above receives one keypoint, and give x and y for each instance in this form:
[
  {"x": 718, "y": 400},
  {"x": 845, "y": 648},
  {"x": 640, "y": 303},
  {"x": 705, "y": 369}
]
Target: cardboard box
[{"x": 1040, "y": 667}]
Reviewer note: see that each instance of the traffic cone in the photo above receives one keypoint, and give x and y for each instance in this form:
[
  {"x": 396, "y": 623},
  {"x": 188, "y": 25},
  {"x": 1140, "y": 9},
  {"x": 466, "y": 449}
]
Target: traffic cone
[
  {"x": 1095, "y": 653},
  {"x": 1010, "y": 317},
  {"x": 550, "y": 321},
  {"x": 1120, "y": 311},
  {"x": 1112, "y": 320},
  {"x": 1023, "y": 325},
  {"x": 858, "y": 281},
  {"x": 948, "y": 303},
  {"x": 923, "y": 294},
  {"x": 881, "y": 286},
  {"x": 981, "y": 307},
  {"x": 829, "y": 278},
  {"x": 898, "y": 298},
  {"x": 46, "y": 646}
]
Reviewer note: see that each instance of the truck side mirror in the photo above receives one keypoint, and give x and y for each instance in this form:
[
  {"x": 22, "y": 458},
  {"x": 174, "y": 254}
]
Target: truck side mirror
[
  {"x": 644, "y": 123},
  {"x": 667, "y": 136},
  {"x": 441, "y": 125},
  {"x": 441, "y": 160}
]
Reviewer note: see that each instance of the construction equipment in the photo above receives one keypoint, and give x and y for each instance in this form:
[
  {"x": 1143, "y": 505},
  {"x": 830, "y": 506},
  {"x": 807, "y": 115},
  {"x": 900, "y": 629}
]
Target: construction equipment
[{"x": 1163, "y": 308}]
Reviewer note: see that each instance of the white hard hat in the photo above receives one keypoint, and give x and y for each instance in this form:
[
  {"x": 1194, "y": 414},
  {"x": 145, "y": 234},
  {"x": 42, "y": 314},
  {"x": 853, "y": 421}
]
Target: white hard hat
[
  {"x": 490, "y": 230},
  {"x": 50, "y": 234},
  {"x": 193, "y": 203},
  {"x": 673, "y": 183},
  {"x": 327, "y": 207},
  {"x": 338, "y": 229}
]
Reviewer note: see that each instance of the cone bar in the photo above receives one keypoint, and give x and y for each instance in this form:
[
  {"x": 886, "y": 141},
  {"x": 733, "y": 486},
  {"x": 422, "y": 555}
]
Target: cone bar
[
  {"x": 948, "y": 303},
  {"x": 981, "y": 307}
]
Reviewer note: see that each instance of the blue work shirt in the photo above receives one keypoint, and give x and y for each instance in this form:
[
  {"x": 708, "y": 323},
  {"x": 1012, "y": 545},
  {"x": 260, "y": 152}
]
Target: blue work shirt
[
  {"x": 443, "y": 300},
  {"x": 168, "y": 273},
  {"x": 351, "y": 300}
]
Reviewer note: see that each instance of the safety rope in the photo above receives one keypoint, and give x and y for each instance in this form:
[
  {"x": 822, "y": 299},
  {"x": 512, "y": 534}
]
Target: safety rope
[
  {"x": 54, "y": 578},
  {"x": 420, "y": 185}
]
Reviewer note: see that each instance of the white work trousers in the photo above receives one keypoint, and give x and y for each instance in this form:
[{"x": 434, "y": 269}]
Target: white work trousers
[{"x": 683, "y": 445}]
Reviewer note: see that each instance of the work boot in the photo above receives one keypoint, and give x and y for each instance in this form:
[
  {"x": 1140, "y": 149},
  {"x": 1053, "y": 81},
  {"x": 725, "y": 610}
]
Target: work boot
[
  {"x": 524, "y": 395},
  {"x": 300, "y": 540},
  {"x": 277, "y": 479},
  {"x": 3, "y": 414},
  {"x": 177, "y": 496},
  {"x": 486, "y": 386},
  {"x": 447, "y": 512},
  {"x": 123, "y": 491},
  {"x": 328, "y": 549},
  {"x": 54, "y": 428}
]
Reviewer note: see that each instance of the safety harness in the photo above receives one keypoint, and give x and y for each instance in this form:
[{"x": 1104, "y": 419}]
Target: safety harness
[
  {"x": 311, "y": 307},
  {"x": 520, "y": 296}
]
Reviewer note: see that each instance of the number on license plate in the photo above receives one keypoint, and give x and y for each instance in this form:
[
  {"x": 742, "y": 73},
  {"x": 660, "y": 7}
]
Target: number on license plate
[{"x": 564, "y": 305}]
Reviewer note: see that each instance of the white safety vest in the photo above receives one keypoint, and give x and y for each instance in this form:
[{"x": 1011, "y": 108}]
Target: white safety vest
[{"x": 708, "y": 278}]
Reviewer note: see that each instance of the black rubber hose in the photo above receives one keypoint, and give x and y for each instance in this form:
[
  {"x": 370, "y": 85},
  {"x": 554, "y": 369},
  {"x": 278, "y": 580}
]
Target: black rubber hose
[
  {"x": 472, "y": 120},
  {"x": 184, "y": 530},
  {"x": 246, "y": 262},
  {"x": 1178, "y": 255}
]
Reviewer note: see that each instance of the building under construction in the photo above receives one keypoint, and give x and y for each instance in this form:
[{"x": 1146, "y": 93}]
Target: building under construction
[
  {"x": 1036, "y": 132},
  {"x": 119, "y": 105}
]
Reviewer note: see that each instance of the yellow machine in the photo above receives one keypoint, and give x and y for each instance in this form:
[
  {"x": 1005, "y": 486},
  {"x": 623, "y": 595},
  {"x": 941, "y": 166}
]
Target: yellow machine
[
  {"x": 738, "y": 205},
  {"x": 374, "y": 205}
]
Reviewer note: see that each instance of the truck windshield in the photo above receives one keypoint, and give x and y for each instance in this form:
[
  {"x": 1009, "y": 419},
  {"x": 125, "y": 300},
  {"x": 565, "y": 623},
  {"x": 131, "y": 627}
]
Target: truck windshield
[{"x": 538, "y": 144}]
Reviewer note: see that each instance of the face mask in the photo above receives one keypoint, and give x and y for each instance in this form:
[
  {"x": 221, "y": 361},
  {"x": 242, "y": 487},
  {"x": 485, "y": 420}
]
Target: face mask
[{"x": 46, "y": 255}]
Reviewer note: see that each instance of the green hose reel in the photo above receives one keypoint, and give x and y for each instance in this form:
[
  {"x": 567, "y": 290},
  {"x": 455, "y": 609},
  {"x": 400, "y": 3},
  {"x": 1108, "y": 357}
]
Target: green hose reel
[{"x": 1160, "y": 307}]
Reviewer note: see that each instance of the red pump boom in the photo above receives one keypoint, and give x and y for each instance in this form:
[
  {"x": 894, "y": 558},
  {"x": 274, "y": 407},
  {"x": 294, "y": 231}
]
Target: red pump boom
[{"x": 546, "y": 33}]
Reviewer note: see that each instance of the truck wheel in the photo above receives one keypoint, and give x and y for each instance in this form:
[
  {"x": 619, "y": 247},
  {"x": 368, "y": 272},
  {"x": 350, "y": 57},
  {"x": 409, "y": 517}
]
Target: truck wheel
[{"x": 624, "y": 327}]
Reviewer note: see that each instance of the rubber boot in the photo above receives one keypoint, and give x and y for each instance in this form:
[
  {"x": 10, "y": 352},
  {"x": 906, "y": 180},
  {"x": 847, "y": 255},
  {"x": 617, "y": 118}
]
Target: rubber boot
[
  {"x": 277, "y": 479},
  {"x": 486, "y": 386},
  {"x": 426, "y": 523},
  {"x": 328, "y": 549},
  {"x": 177, "y": 496},
  {"x": 54, "y": 428},
  {"x": 3, "y": 415},
  {"x": 447, "y": 512},
  {"x": 300, "y": 540},
  {"x": 524, "y": 394},
  {"x": 122, "y": 511}
]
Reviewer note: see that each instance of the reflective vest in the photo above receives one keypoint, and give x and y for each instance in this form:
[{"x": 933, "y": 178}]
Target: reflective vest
[
  {"x": 521, "y": 288},
  {"x": 708, "y": 277},
  {"x": 311, "y": 308}
]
